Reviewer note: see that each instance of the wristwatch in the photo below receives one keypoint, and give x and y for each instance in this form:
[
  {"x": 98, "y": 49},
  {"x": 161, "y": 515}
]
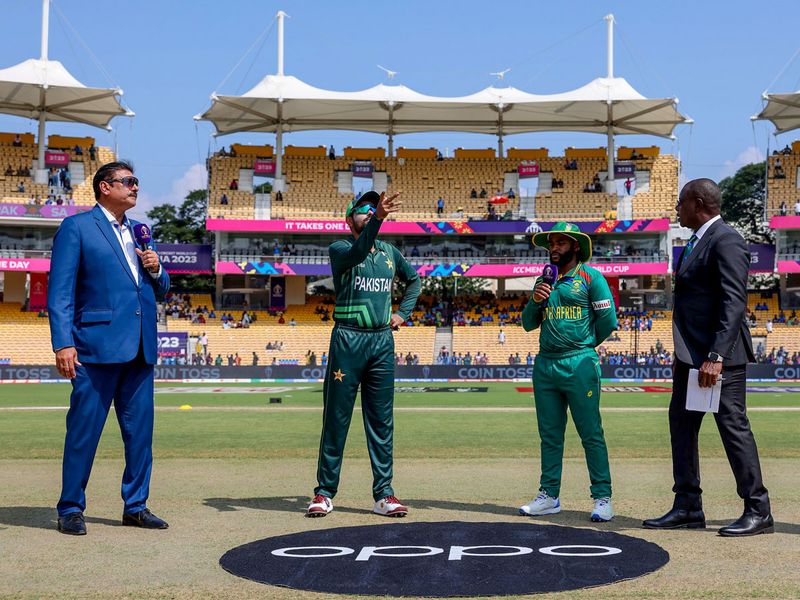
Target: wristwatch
[{"x": 714, "y": 357}]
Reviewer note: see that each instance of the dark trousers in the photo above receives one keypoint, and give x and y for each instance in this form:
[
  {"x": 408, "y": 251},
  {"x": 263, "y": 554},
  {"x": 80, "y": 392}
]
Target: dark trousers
[
  {"x": 130, "y": 386},
  {"x": 737, "y": 439},
  {"x": 356, "y": 357}
]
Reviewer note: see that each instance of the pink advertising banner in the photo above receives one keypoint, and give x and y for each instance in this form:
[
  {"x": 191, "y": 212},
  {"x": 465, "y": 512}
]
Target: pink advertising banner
[
  {"x": 264, "y": 166},
  {"x": 48, "y": 211},
  {"x": 526, "y": 169},
  {"x": 436, "y": 227},
  {"x": 25, "y": 264},
  {"x": 53, "y": 158},
  {"x": 613, "y": 269},
  {"x": 436, "y": 270},
  {"x": 784, "y": 222},
  {"x": 788, "y": 266}
]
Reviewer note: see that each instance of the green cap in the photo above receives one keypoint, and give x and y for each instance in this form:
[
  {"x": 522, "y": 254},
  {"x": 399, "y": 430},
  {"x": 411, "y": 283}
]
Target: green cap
[
  {"x": 570, "y": 230},
  {"x": 371, "y": 197}
]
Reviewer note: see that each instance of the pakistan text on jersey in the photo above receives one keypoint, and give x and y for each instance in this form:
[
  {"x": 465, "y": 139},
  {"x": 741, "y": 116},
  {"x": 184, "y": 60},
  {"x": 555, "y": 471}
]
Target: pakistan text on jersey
[
  {"x": 563, "y": 312},
  {"x": 372, "y": 284}
]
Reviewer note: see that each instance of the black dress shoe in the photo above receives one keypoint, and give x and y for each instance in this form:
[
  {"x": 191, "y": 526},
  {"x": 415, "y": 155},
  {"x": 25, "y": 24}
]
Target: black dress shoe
[
  {"x": 749, "y": 524},
  {"x": 144, "y": 519},
  {"x": 72, "y": 524},
  {"x": 678, "y": 519}
]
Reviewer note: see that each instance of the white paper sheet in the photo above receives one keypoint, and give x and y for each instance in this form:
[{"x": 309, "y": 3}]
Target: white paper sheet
[{"x": 702, "y": 399}]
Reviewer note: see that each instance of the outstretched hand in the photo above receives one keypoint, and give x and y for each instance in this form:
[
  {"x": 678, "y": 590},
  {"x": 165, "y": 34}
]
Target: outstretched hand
[{"x": 388, "y": 205}]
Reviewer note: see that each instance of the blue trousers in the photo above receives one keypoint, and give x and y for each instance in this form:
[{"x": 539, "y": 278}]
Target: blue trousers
[{"x": 130, "y": 386}]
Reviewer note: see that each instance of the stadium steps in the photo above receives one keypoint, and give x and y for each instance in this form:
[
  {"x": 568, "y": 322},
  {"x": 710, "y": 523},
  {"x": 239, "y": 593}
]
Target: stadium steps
[{"x": 443, "y": 339}]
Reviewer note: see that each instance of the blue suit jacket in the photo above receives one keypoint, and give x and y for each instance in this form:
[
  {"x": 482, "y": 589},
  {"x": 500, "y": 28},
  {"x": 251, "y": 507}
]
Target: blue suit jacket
[{"x": 93, "y": 301}]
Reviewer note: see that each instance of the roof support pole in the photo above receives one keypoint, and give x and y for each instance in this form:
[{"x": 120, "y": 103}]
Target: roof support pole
[
  {"x": 390, "y": 142},
  {"x": 40, "y": 176},
  {"x": 278, "y": 182},
  {"x": 610, "y": 185}
]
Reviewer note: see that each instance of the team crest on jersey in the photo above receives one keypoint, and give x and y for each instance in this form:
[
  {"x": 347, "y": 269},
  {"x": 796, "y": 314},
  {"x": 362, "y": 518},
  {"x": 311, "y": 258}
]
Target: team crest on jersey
[{"x": 576, "y": 286}]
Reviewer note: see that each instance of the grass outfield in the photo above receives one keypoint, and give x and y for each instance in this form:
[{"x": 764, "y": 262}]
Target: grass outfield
[{"x": 234, "y": 469}]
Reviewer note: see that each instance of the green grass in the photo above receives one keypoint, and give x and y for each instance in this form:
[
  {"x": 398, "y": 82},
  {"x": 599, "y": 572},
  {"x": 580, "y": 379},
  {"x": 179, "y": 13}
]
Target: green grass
[{"x": 272, "y": 432}]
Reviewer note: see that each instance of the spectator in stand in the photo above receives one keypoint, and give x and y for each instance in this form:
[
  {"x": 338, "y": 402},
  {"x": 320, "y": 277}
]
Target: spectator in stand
[
  {"x": 10, "y": 172},
  {"x": 331, "y": 152},
  {"x": 472, "y": 194},
  {"x": 292, "y": 322},
  {"x": 483, "y": 193},
  {"x": 17, "y": 141},
  {"x": 511, "y": 193},
  {"x": 21, "y": 187},
  {"x": 783, "y": 208},
  {"x": 501, "y": 337},
  {"x": 237, "y": 360},
  {"x": 777, "y": 171},
  {"x": 234, "y": 185},
  {"x": 628, "y": 183},
  {"x": 224, "y": 199},
  {"x": 278, "y": 196},
  {"x": 797, "y": 208},
  {"x": 218, "y": 360},
  {"x": 439, "y": 206},
  {"x": 92, "y": 152}
]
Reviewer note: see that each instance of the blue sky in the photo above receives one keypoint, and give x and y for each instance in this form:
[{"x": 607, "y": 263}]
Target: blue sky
[{"x": 169, "y": 56}]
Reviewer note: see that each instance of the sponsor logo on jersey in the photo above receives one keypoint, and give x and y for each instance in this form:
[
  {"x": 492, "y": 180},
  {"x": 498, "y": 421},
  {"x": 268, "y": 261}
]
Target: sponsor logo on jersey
[{"x": 601, "y": 304}]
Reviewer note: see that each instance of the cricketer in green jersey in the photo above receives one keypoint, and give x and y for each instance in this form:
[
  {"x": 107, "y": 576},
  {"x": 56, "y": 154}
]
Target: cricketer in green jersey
[
  {"x": 362, "y": 351},
  {"x": 573, "y": 316}
]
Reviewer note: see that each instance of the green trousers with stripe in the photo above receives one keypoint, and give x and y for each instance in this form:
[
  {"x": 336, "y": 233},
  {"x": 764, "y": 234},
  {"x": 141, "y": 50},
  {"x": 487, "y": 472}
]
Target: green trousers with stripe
[
  {"x": 365, "y": 358},
  {"x": 570, "y": 380}
]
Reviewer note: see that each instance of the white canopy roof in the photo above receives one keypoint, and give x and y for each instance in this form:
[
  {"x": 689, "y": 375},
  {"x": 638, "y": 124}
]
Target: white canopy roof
[
  {"x": 783, "y": 110},
  {"x": 35, "y": 86},
  {"x": 387, "y": 109}
]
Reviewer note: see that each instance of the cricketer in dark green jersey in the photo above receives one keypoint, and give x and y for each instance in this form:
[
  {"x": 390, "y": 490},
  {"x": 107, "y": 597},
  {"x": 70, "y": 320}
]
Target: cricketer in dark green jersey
[
  {"x": 574, "y": 316},
  {"x": 362, "y": 346}
]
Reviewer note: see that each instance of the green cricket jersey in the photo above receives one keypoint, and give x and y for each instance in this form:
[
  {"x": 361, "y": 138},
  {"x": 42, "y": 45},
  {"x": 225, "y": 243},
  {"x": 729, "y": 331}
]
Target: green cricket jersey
[
  {"x": 363, "y": 279},
  {"x": 579, "y": 313}
]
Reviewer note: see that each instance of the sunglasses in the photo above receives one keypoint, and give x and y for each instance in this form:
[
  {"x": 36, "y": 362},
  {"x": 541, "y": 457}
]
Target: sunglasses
[
  {"x": 363, "y": 209},
  {"x": 128, "y": 182}
]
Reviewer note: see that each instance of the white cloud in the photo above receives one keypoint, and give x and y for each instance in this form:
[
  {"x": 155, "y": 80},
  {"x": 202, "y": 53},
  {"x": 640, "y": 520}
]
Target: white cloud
[
  {"x": 195, "y": 178},
  {"x": 748, "y": 156}
]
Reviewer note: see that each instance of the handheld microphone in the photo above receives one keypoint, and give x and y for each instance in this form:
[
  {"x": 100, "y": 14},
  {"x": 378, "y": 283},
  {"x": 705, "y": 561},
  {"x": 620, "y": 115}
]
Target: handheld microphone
[
  {"x": 549, "y": 276},
  {"x": 141, "y": 233}
]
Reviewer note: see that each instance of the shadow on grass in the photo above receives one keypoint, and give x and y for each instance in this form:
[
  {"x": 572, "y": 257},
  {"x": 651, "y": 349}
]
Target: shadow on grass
[
  {"x": 574, "y": 518},
  {"x": 40, "y": 517},
  {"x": 298, "y": 504}
]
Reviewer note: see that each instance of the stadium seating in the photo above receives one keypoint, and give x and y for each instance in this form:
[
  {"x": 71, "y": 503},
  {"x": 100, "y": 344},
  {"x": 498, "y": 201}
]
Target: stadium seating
[
  {"x": 23, "y": 156},
  {"x": 782, "y": 189},
  {"x": 312, "y": 190}
]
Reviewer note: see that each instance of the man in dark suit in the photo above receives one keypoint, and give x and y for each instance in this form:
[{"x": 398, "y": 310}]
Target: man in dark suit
[
  {"x": 102, "y": 304},
  {"x": 711, "y": 335}
]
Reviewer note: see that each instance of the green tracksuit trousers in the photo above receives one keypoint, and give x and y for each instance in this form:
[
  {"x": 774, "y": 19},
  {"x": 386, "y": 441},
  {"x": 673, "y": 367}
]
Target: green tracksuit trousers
[
  {"x": 571, "y": 379},
  {"x": 356, "y": 357}
]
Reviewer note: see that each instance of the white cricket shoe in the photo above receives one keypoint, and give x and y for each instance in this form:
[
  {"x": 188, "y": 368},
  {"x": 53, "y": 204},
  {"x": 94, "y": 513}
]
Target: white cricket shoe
[
  {"x": 541, "y": 505},
  {"x": 320, "y": 506},
  {"x": 390, "y": 506},
  {"x": 602, "y": 511}
]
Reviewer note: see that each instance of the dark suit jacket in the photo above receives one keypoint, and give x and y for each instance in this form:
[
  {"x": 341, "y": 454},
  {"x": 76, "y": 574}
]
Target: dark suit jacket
[
  {"x": 710, "y": 300},
  {"x": 95, "y": 304}
]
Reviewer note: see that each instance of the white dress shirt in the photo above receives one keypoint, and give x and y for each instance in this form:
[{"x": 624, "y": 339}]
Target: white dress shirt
[
  {"x": 699, "y": 233},
  {"x": 124, "y": 236}
]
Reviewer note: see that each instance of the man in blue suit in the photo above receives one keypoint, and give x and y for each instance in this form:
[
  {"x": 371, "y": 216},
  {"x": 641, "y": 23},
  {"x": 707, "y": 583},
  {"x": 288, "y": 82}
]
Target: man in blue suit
[{"x": 102, "y": 303}]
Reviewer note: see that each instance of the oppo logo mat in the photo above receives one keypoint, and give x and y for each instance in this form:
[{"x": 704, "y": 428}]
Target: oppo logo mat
[{"x": 445, "y": 559}]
